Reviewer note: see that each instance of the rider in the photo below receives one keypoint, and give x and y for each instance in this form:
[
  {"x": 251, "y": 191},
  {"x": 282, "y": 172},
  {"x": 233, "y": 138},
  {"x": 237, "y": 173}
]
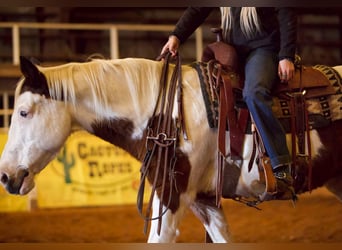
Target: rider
[{"x": 265, "y": 40}]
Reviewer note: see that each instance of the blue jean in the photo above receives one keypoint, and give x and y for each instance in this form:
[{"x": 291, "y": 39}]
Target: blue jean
[{"x": 261, "y": 67}]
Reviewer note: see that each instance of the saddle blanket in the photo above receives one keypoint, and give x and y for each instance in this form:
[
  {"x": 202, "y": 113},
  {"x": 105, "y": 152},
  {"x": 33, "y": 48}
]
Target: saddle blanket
[{"x": 322, "y": 109}]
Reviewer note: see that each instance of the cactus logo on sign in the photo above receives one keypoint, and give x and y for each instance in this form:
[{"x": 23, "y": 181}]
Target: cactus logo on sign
[
  {"x": 89, "y": 171},
  {"x": 68, "y": 162}
]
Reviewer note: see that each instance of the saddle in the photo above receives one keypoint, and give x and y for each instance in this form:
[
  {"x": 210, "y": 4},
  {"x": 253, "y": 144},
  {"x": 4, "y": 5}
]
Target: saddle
[
  {"x": 231, "y": 114},
  {"x": 308, "y": 79}
]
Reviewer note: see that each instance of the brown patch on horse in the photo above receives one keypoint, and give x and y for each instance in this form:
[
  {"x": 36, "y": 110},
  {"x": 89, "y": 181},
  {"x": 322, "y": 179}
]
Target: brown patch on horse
[
  {"x": 179, "y": 176},
  {"x": 201, "y": 204},
  {"x": 119, "y": 132},
  {"x": 41, "y": 88},
  {"x": 327, "y": 163}
]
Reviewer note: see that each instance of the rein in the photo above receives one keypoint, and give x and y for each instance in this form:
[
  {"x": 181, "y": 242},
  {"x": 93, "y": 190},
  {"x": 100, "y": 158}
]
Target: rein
[{"x": 161, "y": 143}]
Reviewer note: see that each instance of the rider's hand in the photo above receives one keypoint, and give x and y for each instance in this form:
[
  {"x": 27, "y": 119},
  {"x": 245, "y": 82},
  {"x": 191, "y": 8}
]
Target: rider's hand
[
  {"x": 172, "y": 45},
  {"x": 286, "y": 70}
]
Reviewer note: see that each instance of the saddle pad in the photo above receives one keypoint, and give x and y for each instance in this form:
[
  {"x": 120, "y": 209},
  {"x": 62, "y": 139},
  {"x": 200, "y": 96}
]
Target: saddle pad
[{"x": 209, "y": 96}]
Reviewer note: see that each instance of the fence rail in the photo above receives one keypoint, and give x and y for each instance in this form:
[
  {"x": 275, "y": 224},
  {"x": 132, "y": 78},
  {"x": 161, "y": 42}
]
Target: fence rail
[{"x": 113, "y": 30}]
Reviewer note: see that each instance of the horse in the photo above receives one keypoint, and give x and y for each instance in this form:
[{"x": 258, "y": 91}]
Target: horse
[{"x": 115, "y": 99}]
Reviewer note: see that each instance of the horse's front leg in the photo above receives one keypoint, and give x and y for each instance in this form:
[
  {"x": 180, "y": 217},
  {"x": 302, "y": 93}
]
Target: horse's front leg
[
  {"x": 169, "y": 225},
  {"x": 212, "y": 217}
]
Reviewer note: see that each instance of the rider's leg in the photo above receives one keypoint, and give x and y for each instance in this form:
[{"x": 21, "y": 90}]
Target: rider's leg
[{"x": 260, "y": 75}]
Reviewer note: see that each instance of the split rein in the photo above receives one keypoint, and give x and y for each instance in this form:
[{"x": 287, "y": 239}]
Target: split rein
[{"x": 161, "y": 144}]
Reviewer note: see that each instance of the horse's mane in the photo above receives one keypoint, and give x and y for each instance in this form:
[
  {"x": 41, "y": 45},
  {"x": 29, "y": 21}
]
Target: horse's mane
[{"x": 98, "y": 74}]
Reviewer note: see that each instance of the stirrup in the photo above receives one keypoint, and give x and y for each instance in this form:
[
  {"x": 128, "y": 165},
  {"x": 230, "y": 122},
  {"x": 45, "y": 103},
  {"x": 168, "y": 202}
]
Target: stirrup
[{"x": 282, "y": 173}]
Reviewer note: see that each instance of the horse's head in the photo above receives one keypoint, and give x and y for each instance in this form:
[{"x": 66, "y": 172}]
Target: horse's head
[{"x": 39, "y": 128}]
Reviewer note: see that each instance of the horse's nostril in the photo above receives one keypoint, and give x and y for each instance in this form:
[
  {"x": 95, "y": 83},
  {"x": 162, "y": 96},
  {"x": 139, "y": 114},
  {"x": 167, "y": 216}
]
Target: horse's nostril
[
  {"x": 4, "y": 178},
  {"x": 26, "y": 173}
]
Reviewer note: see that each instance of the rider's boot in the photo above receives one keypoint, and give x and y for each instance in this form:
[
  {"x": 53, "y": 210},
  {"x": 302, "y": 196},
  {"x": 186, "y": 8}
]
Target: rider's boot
[{"x": 284, "y": 182}]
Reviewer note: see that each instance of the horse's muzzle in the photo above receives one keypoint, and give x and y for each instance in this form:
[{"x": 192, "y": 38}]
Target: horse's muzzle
[{"x": 14, "y": 183}]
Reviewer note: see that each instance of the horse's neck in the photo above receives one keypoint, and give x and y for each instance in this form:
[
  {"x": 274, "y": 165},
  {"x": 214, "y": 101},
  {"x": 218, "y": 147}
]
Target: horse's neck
[{"x": 123, "y": 110}]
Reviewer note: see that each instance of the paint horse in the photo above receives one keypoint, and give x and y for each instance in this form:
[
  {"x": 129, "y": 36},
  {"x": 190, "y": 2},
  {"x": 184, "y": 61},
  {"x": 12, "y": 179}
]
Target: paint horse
[{"x": 115, "y": 100}]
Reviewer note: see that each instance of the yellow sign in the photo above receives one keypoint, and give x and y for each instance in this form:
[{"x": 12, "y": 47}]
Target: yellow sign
[
  {"x": 9, "y": 202},
  {"x": 89, "y": 172}
]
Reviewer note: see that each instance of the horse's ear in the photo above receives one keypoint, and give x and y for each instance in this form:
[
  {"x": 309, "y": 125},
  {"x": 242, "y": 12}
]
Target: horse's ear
[
  {"x": 35, "y": 81},
  {"x": 28, "y": 69}
]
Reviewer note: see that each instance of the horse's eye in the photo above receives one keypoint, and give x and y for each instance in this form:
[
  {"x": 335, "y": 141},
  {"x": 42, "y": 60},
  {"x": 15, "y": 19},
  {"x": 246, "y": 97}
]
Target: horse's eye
[{"x": 23, "y": 113}]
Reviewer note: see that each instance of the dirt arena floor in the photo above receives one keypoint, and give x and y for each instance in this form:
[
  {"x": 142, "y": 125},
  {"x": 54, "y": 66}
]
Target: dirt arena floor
[{"x": 316, "y": 218}]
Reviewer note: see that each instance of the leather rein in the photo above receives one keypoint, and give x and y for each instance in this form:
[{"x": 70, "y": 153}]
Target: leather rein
[{"x": 161, "y": 143}]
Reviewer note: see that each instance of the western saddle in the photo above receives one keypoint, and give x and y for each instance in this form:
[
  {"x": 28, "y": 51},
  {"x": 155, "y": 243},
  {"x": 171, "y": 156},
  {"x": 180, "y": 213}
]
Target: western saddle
[{"x": 307, "y": 83}]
